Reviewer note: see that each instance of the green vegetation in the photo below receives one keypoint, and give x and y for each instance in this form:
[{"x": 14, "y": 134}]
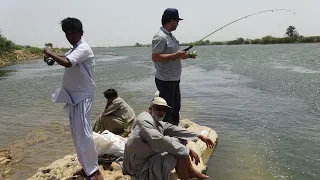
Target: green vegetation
[
  {"x": 138, "y": 45},
  {"x": 264, "y": 40},
  {"x": 12, "y": 53},
  {"x": 49, "y": 45},
  {"x": 292, "y": 32},
  {"x": 292, "y": 36},
  {"x": 7, "y": 47}
]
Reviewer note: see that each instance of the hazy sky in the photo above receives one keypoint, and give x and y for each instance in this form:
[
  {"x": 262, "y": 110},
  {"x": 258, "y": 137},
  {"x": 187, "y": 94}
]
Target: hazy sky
[{"x": 125, "y": 22}]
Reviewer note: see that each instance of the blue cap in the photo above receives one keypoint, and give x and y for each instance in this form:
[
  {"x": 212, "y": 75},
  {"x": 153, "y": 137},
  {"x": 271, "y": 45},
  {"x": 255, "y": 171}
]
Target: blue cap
[{"x": 171, "y": 13}]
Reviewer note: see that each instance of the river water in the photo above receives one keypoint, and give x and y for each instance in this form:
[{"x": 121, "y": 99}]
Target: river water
[{"x": 263, "y": 101}]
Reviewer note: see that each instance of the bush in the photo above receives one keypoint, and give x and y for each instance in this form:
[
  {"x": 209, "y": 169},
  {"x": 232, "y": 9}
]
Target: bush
[
  {"x": 34, "y": 50},
  {"x": 310, "y": 39},
  {"x": 216, "y": 43},
  {"x": 18, "y": 47},
  {"x": 6, "y": 45}
]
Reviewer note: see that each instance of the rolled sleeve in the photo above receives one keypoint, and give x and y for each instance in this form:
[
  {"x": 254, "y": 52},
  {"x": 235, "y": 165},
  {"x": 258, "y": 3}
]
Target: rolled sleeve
[
  {"x": 158, "y": 44},
  {"x": 79, "y": 55}
]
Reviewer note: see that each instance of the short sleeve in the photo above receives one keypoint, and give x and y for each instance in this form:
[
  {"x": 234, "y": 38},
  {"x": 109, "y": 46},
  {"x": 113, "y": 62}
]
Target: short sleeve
[
  {"x": 158, "y": 44},
  {"x": 79, "y": 55}
]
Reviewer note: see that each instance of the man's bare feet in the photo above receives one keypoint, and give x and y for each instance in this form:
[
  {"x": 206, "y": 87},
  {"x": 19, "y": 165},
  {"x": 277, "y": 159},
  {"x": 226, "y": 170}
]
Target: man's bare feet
[
  {"x": 96, "y": 175},
  {"x": 197, "y": 174}
]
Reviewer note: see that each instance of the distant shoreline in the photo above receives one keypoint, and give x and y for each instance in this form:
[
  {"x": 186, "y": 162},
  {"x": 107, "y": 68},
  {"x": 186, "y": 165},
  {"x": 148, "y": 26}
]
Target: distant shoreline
[
  {"x": 11, "y": 53},
  {"x": 14, "y": 58},
  {"x": 18, "y": 56},
  {"x": 241, "y": 41}
]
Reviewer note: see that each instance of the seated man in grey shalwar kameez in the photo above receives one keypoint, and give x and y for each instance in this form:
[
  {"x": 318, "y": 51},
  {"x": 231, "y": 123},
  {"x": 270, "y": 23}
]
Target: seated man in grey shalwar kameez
[{"x": 154, "y": 148}]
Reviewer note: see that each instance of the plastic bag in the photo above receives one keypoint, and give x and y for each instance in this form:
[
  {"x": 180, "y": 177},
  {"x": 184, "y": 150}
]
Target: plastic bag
[
  {"x": 102, "y": 144},
  {"x": 116, "y": 145}
]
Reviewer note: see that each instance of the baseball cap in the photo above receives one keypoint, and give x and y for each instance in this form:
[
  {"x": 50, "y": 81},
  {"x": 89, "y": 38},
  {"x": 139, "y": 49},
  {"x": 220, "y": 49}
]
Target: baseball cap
[{"x": 171, "y": 13}]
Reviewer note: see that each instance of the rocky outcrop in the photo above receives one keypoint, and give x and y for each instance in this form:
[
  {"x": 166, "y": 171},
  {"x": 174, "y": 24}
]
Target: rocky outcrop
[
  {"x": 68, "y": 167},
  {"x": 16, "y": 57},
  {"x": 5, "y": 163}
]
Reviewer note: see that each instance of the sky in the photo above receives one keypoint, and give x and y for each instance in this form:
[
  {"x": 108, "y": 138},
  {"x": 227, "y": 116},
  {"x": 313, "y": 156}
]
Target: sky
[{"x": 126, "y": 22}]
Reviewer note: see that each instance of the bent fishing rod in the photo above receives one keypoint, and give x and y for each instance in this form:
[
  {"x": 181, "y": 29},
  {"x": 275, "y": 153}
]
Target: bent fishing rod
[{"x": 244, "y": 17}]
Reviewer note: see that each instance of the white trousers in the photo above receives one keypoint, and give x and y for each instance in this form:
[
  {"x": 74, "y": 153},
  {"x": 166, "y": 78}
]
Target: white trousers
[{"x": 81, "y": 132}]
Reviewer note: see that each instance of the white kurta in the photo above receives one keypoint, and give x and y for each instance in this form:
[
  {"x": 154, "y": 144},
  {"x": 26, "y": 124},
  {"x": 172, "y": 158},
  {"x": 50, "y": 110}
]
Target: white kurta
[
  {"x": 152, "y": 148},
  {"x": 77, "y": 91}
]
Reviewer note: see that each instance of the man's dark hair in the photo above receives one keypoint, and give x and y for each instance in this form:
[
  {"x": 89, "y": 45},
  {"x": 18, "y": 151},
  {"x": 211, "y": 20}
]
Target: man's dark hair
[
  {"x": 71, "y": 25},
  {"x": 110, "y": 93}
]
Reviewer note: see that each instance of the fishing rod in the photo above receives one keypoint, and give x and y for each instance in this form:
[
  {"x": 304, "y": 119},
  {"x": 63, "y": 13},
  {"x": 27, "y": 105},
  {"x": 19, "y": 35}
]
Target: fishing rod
[{"x": 244, "y": 17}]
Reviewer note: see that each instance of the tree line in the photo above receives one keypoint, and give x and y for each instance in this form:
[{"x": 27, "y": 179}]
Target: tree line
[
  {"x": 292, "y": 36},
  {"x": 11, "y": 52},
  {"x": 7, "y": 47}
]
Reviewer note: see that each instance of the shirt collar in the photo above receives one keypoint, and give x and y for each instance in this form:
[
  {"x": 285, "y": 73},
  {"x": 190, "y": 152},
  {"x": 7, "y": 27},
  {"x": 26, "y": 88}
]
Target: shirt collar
[
  {"x": 116, "y": 99},
  {"x": 165, "y": 31},
  {"x": 81, "y": 40}
]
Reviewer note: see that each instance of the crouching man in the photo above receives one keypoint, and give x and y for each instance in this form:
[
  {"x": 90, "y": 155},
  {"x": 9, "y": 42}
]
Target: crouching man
[
  {"x": 118, "y": 116},
  {"x": 154, "y": 148}
]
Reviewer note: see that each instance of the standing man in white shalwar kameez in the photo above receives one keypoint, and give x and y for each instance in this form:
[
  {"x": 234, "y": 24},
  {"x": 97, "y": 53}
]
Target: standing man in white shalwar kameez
[
  {"x": 76, "y": 92},
  {"x": 154, "y": 148}
]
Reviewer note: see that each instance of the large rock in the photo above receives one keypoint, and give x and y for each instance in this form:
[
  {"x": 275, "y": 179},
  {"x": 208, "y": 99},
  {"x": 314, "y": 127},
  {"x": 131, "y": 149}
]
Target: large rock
[
  {"x": 5, "y": 162},
  {"x": 67, "y": 168}
]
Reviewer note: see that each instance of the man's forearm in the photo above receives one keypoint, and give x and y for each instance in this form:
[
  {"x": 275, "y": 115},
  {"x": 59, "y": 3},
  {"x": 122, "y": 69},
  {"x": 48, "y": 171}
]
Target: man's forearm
[
  {"x": 165, "y": 57},
  {"x": 62, "y": 60}
]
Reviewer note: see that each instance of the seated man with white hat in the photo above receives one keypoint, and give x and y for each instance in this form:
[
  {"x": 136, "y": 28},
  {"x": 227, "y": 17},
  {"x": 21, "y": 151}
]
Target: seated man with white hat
[{"x": 154, "y": 148}]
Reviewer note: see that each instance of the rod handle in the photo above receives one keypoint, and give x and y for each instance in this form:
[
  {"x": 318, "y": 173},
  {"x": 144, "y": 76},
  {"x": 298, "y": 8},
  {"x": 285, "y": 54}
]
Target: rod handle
[{"x": 187, "y": 49}]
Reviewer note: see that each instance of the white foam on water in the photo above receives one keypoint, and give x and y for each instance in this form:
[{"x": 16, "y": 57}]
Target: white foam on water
[
  {"x": 295, "y": 68},
  {"x": 110, "y": 58}
]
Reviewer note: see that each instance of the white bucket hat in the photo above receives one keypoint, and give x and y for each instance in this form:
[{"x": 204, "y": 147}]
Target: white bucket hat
[{"x": 159, "y": 101}]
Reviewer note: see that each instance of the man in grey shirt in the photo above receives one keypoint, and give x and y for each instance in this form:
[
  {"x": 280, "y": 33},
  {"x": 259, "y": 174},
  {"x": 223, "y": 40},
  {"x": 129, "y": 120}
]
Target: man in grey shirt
[{"x": 166, "y": 55}]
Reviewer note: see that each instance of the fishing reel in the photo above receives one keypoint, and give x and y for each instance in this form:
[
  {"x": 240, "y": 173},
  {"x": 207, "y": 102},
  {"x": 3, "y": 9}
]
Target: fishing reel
[
  {"x": 192, "y": 54},
  {"x": 49, "y": 60}
]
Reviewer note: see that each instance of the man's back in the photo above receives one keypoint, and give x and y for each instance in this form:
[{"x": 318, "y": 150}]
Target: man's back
[{"x": 123, "y": 111}]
